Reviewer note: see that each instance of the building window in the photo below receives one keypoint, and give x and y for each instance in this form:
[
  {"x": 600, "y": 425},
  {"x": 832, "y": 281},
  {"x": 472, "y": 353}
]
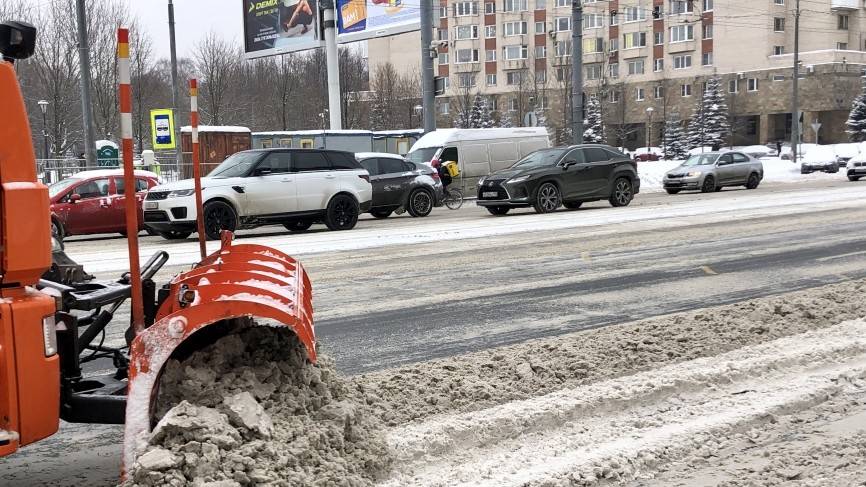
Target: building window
[
  {"x": 613, "y": 97},
  {"x": 593, "y": 21},
  {"x": 778, "y": 77},
  {"x": 686, "y": 90},
  {"x": 562, "y": 48},
  {"x": 514, "y": 28},
  {"x": 613, "y": 45},
  {"x": 563, "y": 3},
  {"x": 540, "y": 28},
  {"x": 636, "y": 67},
  {"x": 541, "y": 76},
  {"x": 659, "y": 92},
  {"x": 562, "y": 24},
  {"x": 842, "y": 23},
  {"x": 443, "y": 58},
  {"x": 753, "y": 84},
  {"x": 593, "y": 71},
  {"x": 513, "y": 105},
  {"x": 779, "y": 2},
  {"x": 491, "y": 80},
  {"x": 515, "y": 5},
  {"x": 462, "y": 9},
  {"x": 543, "y": 103},
  {"x": 489, "y": 31},
  {"x": 778, "y": 50},
  {"x": 681, "y": 33},
  {"x": 443, "y": 12},
  {"x": 540, "y": 4},
  {"x": 540, "y": 52},
  {"x": 562, "y": 74},
  {"x": 614, "y": 70},
  {"x": 492, "y": 101},
  {"x": 466, "y": 56},
  {"x": 593, "y": 45},
  {"x": 708, "y": 5},
  {"x": 708, "y": 31},
  {"x": 635, "y": 39},
  {"x": 634, "y": 14},
  {"x": 842, "y": 46},
  {"x": 466, "y": 80},
  {"x": 779, "y": 24},
  {"x": 442, "y": 34},
  {"x": 614, "y": 18},
  {"x": 444, "y": 108},
  {"x": 707, "y": 59},
  {"x": 681, "y": 6},
  {"x": 659, "y": 65},
  {"x": 516, "y": 52},
  {"x": 466, "y": 32},
  {"x": 733, "y": 86},
  {"x": 658, "y": 38},
  {"x": 490, "y": 55},
  {"x": 639, "y": 94},
  {"x": 683, "y": 62}
]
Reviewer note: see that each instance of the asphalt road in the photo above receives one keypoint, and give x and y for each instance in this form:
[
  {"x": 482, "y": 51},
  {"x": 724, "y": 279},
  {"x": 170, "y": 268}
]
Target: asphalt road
[{"x": 385, "y": 305}]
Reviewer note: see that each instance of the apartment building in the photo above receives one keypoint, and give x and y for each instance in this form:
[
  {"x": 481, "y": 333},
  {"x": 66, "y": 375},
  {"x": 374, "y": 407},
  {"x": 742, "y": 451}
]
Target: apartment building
[{"x": 641, "y": 54}]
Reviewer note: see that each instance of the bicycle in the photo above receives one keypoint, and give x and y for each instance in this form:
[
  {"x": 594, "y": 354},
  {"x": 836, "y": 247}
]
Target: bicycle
[{"x": 453, "y": 198}]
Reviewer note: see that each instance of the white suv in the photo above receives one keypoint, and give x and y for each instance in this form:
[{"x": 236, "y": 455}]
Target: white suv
[{"x": 292, "y": 187}]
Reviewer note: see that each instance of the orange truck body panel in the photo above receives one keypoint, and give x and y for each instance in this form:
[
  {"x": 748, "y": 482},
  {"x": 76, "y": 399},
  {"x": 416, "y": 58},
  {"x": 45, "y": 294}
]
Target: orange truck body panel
[{"x": 29, "y": 381}]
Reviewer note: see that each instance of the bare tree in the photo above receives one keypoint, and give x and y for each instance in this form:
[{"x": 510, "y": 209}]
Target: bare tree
[
  {"x": 103, "y": 20},
  {"x": 215, "y": 60},
  {"x": 145, "y": 84}
]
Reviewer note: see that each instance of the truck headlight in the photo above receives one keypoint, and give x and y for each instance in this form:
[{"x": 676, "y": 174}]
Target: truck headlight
[
  {"x": 49, "y": 335},
  {"x": 181, "y": 193}
]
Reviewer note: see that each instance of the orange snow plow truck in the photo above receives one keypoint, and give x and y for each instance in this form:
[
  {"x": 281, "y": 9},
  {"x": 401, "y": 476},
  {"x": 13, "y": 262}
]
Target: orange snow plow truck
[{"x": 53, "y": 315}]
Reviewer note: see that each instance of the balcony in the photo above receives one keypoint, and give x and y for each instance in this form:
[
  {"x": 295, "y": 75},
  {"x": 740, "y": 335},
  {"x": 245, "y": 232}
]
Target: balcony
[
  {"x": 467, "y": 67},
  {"x": 844, "y": 4},
  {"x": 682, "y": 46}
]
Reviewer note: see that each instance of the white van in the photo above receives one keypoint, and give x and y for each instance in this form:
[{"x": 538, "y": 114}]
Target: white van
[{"x": 479, "y": 152}]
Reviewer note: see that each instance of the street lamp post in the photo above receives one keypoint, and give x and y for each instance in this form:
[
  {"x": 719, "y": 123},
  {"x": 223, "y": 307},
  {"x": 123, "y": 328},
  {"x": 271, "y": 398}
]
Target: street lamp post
[
  {"x": 649, "y": 127},
  {"x": 43, "y": 107}
]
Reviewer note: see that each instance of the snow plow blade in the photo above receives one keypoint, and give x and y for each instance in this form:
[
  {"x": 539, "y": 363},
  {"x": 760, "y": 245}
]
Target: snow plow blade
[{"x": 239, "y": 284}]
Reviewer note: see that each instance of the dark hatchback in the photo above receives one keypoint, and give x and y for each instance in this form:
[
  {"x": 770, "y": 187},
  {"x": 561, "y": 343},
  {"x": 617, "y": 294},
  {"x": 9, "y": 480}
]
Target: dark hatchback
[
  {"x": 400, "y": 185},
  {"x": 563, "y": 176}
]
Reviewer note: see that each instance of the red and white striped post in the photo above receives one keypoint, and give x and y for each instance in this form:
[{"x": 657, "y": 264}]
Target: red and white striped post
[
  {"x": 196, "y": 165},
  {"x": 129, "y": 178}
]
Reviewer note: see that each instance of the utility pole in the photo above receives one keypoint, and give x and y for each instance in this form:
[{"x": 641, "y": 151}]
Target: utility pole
[
  {"x": 175, "y": 95},
  {"x": 86, "y": 105},
  {"x": 577, "y": 71},
  {"x": 795, "y": 109},
  {"x": 428, "y": 99},
  {"x": 333, "y": 65}
]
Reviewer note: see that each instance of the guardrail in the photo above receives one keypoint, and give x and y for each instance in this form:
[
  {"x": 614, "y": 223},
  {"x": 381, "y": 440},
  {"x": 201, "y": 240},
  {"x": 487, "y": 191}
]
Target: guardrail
[{"x": 50, "y": 171}]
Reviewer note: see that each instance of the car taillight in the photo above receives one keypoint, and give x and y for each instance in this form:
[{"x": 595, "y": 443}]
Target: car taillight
[
  {"x": 434, "y": 163},
  {"x": 365, "y": 177}
]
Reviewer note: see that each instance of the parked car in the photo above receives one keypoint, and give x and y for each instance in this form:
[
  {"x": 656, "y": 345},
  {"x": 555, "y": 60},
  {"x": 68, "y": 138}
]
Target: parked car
[
  {"x": 400, "y": 185},
  {"x": 819, "y": 158},
  {"x": 645, "y": 154},
  {"x": 563, "y": 176},
  {"x": 712, "y": 171},
  {"x": 856, "y": 167},
  {"x": 93, "y": 202},
  {"x": 292, "y": 187}
]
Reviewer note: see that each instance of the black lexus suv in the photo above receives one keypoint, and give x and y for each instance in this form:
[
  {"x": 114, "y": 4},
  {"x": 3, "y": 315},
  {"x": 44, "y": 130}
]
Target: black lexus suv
[{"x": 566, "y": 176}]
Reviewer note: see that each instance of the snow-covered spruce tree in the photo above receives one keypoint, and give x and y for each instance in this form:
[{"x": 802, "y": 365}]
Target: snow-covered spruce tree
[
  {"x": 593, "y": 132},
  {"x": 709, "y": 125},
  {"x": 856, "y": 124},
  {"x": 505, "y": 120},
  {"x": 377, "y": 114},
  {"x": 461, "y": 120},
  {"x": 479, "y": 116},
  {"x": 675, "y": 139}
]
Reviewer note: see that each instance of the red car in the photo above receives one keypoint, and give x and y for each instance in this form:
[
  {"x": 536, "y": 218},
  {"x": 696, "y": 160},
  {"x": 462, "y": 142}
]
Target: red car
[{"x": 93, "y": 202}]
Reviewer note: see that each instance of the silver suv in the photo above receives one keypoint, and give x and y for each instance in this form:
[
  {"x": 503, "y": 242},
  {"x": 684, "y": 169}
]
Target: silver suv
[{"x": 712, "y": 171}]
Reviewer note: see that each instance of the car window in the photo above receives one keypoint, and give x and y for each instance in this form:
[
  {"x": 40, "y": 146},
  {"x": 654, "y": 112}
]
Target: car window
[
  {"x": 390, "y": 166},
  {"x": 725, "y": 159},
  {"x": 615, "y": 155},
  {"x": 278, "y": 162},
  {"x": 540, "y": 158},
  {"x": 140, "y": 185},
  {"x": 309, "y": 161},
  {"x": 371, "y": 165},
  {"x": 575, "y": 156},
  {"x": 595, "y": 154},
  {"x": 341, "y": 160},
  {"x": 408, "y": 166},
  {"x": 740, "y": 158},
  {"x": 92, "y": 189},
  {"x": 61, "y": 186},
  {"x": 237, "y": 165}
]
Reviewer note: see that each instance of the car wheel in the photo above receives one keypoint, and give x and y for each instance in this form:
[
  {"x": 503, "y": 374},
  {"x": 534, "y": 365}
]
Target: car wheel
[
  {"x": 547, "y": 198},
  {"x": 623, "y": 193},
  {"x": 498, "y": 210},
  {"x": 175, "y": 234},
  {"x": 572, "y": 205},
  {"x": 342, "y": 213},
  {"x": 853, "y": 178},
  {"x": 804, "y": 171},
  {"x": 709, "y": 185},
  {"x": 57, "y": 230},
  {"x": 298, "y": 225},
  {"x": 673, "y": 191},
  {"x": 381, "y": 213},
  {"x": 753, "y": 181},
  {"x": 151, "y": 232},
  {"x": 219, "y": 216},
  {"x": 718, "y": 189},
  {"x": 420, "y": 203}
]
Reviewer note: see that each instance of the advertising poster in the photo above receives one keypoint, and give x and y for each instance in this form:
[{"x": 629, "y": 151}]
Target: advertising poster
[
  {"x": 162, "y": 128},
  {"x": 364, "y": 19},
  {"x": 279, "y": 26}
]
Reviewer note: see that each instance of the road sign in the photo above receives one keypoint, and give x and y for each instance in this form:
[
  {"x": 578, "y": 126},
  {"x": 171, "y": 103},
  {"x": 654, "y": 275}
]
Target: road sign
[
  {"x": 162, "y": 128},
  {"x": 816, "y": 126},
  {"x": 530, "y": 119}
]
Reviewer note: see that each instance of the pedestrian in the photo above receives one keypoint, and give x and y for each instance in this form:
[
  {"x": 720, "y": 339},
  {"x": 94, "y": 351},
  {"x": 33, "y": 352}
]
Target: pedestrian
[
  {"x": 779, "y": 148},
  {"x": 716, "y": 146}
]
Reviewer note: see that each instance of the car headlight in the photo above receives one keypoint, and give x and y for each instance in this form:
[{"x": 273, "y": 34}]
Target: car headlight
[
  {"x": 518, "y": 179},
  {"x": 481, "y": 181},
  {"x": 178, "y": 193},
  {"x": 694, "y": 174}
]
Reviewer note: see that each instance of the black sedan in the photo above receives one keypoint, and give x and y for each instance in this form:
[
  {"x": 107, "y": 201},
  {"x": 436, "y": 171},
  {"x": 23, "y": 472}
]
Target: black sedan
[
  {"x": 400, "y": 185},
  {"x": 563, "y": 176}
]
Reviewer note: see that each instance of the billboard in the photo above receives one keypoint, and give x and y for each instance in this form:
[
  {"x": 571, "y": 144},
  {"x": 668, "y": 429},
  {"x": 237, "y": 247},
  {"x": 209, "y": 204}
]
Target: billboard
[
  {"x": 279, "y": 26},
  {"x": 162, "y": 128},
  {"x": 358, "y": 20}
]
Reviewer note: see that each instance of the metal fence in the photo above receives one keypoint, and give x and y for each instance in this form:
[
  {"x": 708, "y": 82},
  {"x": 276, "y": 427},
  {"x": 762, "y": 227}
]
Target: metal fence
[{"x": 50, "y": 171}]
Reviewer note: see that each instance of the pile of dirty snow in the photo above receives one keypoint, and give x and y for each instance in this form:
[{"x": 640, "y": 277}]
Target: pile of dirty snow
[{"x": 250, "y": 409}]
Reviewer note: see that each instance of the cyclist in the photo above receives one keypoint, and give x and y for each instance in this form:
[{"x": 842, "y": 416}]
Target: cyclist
[{"x": 444, "y": 176}]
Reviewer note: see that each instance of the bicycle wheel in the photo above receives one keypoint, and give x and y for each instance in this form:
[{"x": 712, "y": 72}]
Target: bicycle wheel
[{"x": 454, "y": 199}]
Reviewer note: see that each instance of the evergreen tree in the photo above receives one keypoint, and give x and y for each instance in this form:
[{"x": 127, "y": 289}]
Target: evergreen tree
[
  {"x": 461, "y": 120},
  {"x": 505, "y": 121},
  {"x": 479, "y": 116},
  {"x": 709, "y": 125},
  {"x": 675, "y": 139},
  {"x": 856, "y": 124},
  {"x": 593, "y": 132},
  {"x": 377, "y": 114}
]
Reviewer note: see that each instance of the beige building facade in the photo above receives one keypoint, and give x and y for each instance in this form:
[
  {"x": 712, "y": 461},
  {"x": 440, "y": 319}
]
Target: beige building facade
[{"x": 642, "y": 54}]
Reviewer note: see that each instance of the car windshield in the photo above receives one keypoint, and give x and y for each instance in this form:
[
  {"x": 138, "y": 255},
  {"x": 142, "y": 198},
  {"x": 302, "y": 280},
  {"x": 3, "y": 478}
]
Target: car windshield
[
  {"x": 542, "y": 158},
  {"x": 701, "y": 160},
  {"x": 61, "y": 186},
  {"x": 423, "y": 156},
  {"x": 236, "y": 165}
]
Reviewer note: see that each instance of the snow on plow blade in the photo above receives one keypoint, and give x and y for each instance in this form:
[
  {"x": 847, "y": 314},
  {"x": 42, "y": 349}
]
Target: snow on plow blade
[{"x": 238, "y": 282}]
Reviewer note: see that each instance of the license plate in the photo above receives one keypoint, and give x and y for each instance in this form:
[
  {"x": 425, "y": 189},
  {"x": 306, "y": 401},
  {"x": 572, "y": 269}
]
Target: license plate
[
  {"x": 489, "y": 194},
  {"x": 151, "y": 205}
]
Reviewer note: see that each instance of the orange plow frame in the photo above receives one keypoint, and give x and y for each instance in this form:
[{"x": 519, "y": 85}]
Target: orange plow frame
[{"x": 237, "y": 281}]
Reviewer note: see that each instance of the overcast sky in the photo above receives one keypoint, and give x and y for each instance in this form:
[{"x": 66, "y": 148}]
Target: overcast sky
[{"x": 193, "y": 19}]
